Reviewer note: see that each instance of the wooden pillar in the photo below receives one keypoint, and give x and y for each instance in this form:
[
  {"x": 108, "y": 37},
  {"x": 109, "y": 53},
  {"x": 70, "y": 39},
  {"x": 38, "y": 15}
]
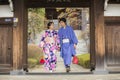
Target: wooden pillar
[
  {"x": 97, "y": 13},
  {"x": 20, "y": 35},
  {"x": 25, "y": 34},
  {"x": 92, "y": 37}
]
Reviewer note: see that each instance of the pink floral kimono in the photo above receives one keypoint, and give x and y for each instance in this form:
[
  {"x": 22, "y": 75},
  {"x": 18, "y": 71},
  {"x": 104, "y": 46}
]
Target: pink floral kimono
[{"x": 50, "y": 43}]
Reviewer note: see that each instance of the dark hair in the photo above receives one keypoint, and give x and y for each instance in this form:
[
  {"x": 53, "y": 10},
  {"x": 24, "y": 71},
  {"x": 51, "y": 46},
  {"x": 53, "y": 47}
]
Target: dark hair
[
  {"x": 49, "y": 24},
  {"x": 62, "y": 19}
]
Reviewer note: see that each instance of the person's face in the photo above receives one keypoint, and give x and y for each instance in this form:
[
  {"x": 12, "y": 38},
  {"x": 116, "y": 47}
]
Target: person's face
[
  {"x": 62, "y": 24},
  {"x": 52, "y": 26}
]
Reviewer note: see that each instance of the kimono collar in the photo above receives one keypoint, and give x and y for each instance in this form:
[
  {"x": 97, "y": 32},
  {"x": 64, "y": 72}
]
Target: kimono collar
[
  {"x": 50, "y": 30},
  {"x": 65, "y": 27}
]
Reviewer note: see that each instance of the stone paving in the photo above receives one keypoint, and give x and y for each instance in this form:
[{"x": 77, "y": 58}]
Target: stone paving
[
  {"x": 60, "y": 67},
  {"x": 62, "y": 77}
]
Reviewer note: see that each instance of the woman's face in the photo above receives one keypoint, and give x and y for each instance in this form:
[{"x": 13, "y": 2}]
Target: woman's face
[
  {"x": 62, "y": 23},
  {"x": 52, "y": 26}
]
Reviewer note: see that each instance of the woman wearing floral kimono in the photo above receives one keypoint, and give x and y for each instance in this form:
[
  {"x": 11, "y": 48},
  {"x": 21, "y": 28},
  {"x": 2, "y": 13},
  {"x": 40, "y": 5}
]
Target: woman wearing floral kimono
[{"x": 50, "y": 43}]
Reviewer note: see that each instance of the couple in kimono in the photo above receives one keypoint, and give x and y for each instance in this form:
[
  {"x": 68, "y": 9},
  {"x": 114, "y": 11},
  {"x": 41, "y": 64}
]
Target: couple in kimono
[{"x": 64, "y": 40}]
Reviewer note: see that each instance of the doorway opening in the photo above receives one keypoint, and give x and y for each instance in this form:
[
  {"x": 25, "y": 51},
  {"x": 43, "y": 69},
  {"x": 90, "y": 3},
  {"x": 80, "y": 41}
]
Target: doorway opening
[{"x": 77, "y": 18}]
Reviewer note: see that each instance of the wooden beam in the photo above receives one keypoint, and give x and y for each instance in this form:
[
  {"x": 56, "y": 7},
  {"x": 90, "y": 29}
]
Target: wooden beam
[
  {"x": 36, "y": 4},
  {"x": 112, "y": 19},
  {"x": 4, "y": 2},
  {"x": 114, "y": 2},
  {"x": 98, "y": 24}
]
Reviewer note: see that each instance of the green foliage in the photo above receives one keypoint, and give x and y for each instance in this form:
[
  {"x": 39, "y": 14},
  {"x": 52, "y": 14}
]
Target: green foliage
[
  {"x": 36, "y": 19},
  {"x": 40, "y": 11},
  {"x": 84, "y": 60},
  {"x": 32, "y": 62},
  {"x": 73, "y": 16}
]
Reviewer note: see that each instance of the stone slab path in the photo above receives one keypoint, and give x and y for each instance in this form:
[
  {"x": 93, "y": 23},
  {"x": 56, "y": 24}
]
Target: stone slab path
[{"x": 60, "y": 67}]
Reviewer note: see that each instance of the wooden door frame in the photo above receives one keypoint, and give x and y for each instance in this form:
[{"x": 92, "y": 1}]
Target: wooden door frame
[
  {"x": 92, "y": 32},
  {"x": 20, "y": 50}
]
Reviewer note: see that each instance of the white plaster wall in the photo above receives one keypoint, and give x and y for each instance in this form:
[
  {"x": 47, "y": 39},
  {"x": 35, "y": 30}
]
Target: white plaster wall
[
  {"x": 112, "y": 10},
  {"x": 5, "y": 11}
]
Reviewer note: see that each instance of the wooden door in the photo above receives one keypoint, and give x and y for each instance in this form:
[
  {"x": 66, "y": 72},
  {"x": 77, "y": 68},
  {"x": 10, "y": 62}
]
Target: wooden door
[
  {"x": 112, "y": 42},
  {"x": 5, "y": 47}
]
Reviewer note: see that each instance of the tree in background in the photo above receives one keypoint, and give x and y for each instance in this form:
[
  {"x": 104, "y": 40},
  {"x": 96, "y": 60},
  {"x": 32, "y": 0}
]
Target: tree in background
[
  {"x": 78, "y": 18},
  {"x": 73, "y": 16},
  {"x": 36, "y": 18}
]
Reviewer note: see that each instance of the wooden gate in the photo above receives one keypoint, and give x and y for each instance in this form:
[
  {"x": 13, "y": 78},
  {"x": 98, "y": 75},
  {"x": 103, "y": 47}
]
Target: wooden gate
[
  {"x": 112, "y": 42},
  {"x": 5, "y": 45}
]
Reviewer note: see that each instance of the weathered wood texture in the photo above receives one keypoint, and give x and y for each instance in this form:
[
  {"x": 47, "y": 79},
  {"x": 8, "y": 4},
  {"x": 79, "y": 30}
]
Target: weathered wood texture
[
  {"x": 5, "y": 47},
  {"x": 112, "y": 41},
  {"x": 97, "y": 12},
  {"x": 92, "y": 36},
  {"x": 20, "y": 35},
  {"x": 25, "y": 35}
]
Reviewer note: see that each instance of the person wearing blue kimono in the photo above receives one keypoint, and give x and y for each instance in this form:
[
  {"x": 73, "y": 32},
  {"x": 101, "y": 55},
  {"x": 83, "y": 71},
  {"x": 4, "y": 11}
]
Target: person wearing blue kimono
[{"x": 68, "y": 42}]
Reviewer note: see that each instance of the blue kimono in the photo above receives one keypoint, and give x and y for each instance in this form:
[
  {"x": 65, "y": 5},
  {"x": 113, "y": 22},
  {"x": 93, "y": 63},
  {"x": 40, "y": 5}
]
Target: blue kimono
[{"x": 67, "y": 41}]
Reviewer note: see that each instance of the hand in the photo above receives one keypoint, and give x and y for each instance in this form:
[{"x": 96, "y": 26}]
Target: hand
[
  {"x": 47, "y": 39},
  {"x": 73, "y": 55},
  {"x": 58, "y": 48},
  {"x": 75, "y": 46}
]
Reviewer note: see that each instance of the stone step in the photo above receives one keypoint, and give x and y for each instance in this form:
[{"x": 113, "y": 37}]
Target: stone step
[
  {"x": 5, "y": 68},
  {"x": 114, "y": 68},
  {"x": 5, "y": 65}
]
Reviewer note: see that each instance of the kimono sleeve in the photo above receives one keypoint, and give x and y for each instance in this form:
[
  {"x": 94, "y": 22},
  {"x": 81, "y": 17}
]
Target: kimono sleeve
[
  {"x": 73, "y": 36},
  {"x": 57, "y": 40},
  {"x": 42, "y": 41},
  {"x": 60, "y": 36}
]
